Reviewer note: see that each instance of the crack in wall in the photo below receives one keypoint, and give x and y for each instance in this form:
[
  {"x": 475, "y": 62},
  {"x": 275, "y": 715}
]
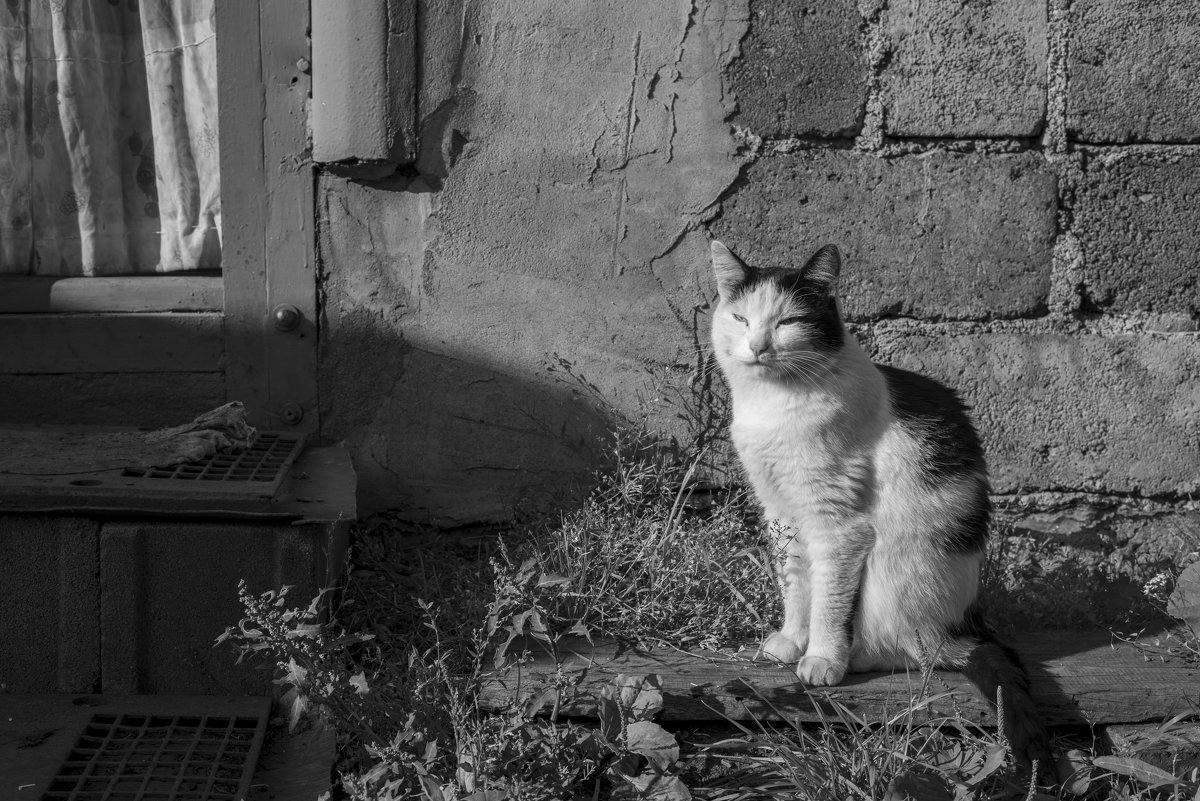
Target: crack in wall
[
  {"x": 871, "y": 137},
  {"x": 631, "y": 121},
  {"x": 688, "y": 23},
  {"x": 1067, "y": 294}
]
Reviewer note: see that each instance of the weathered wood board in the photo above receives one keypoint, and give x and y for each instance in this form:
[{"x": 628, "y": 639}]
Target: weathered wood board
[
  {"x": 106, "y": 343},
  {"x": 125, "y": 293},
  {"x": 1077, "y": 678}
]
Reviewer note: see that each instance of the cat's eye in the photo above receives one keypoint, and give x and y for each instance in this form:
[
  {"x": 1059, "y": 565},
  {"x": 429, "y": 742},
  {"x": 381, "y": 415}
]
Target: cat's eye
[
  {"x": 740, "y": 319},
  {"x": 790, "y": 321}
]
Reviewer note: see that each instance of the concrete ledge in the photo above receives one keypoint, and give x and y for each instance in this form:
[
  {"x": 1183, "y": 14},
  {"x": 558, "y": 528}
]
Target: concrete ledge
[{"x": 120, "y": 601}]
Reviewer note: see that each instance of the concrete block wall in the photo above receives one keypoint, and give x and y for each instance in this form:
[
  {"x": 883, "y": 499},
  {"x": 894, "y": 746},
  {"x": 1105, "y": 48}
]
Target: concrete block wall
[{"x": 1015, "y": 187}]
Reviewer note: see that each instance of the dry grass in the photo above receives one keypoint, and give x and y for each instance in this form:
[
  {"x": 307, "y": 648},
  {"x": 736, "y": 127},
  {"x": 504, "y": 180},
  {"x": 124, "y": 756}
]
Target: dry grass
[{"x": 649, "y": 556}]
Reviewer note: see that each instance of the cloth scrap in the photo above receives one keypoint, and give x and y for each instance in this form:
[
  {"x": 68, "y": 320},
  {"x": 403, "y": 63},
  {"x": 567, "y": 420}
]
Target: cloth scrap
[{"x": 47, "y": 451}]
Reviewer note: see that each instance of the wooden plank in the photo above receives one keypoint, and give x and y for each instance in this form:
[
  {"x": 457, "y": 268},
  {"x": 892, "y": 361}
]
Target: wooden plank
[
  {"x": 240, "y": 115},
  {"x": 126, "y": 293},
  {"x": 102, "y": 343},
  {"x": 291, "y": 364},
  {"x": 268, "y": 218},
  {"x": 108, "y": 399},
  {"x": 1076, "y": 678}
]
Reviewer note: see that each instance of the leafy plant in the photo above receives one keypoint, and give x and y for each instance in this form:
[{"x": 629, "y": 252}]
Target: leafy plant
[{"x": 396, "y": 661}]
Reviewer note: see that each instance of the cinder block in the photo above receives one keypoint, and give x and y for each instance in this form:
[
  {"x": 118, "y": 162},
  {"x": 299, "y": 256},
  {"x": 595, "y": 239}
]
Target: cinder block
[
  {"x": 1068, "y": 410},
  {"x": 803, "y": 69},
  {"x": 942, "y": 235},
  {"x": 1070, "y": 560},
  {"x": 50, "y": 597},
  {"x": 966, "y": 69},
  {"x": 1137, "y": 219},
  {"x": 168, "y": 589},
  {"x": 1138, "y": 536},
  {"x": 1133, "y": 71}
]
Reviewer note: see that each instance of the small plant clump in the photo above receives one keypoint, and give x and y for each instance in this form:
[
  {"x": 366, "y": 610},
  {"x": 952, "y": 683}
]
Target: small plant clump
[{"x": 646, "y": 558}]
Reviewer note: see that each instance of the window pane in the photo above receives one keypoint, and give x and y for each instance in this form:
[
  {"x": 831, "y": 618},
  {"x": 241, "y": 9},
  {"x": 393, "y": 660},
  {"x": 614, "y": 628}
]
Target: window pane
[{"x": 108, "y": 137}]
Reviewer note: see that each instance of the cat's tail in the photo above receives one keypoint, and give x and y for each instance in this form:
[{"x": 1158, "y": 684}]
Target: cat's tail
[{"x": 997, "y": 671}]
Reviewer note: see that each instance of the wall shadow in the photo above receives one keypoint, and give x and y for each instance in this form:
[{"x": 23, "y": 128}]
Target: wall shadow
[{"x": 440, "y": 438}]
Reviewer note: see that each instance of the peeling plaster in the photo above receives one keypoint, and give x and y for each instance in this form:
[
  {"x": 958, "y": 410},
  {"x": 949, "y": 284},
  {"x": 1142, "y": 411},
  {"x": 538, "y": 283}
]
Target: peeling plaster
[{"x": 595, "y": 145}]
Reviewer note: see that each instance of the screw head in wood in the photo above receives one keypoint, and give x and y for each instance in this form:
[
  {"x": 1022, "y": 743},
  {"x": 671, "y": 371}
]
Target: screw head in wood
[
  {"x": 291, "y": 413},
  {"x": 287, "y": 317}
]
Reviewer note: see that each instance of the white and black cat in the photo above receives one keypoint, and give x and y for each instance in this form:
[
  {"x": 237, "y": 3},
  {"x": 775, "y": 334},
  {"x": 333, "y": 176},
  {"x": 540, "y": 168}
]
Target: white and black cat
[{"x": 874, "y": 481}]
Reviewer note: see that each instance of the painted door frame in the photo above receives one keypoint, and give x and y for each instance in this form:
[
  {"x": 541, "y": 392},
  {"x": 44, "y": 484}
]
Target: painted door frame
[{"x": 255, "y": 324}]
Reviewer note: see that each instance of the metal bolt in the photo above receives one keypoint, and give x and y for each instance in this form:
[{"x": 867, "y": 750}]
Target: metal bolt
[
  {"x": 291, "y": 413},
  {"x": 287, "y": 317}
]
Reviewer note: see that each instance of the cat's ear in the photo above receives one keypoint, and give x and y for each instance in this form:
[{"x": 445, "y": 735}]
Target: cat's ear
[
  {"x": 824, "y": 267},
  {"x": 730, "y": 271}
]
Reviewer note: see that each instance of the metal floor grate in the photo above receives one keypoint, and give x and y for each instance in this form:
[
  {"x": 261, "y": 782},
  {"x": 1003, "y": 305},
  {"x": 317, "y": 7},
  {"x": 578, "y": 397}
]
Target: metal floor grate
[
  {"x": 160, "y": 758},
  {"x": 266, "y": 460}
]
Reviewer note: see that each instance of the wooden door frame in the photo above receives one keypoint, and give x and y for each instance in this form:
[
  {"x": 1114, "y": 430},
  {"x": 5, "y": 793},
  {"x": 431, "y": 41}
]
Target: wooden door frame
[
  {"x": 268, "y": 221},
  {"x": 210, "y": 324}
]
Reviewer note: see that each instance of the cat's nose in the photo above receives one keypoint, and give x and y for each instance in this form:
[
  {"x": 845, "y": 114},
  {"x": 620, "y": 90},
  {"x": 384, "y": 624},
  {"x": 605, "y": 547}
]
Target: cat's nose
[{"x": 758, "y": 348}]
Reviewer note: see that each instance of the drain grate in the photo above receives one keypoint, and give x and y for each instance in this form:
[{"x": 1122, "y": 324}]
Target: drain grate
[
  {"x": 264, "y": 461},
  {"x": 160, "y": 758},
  {"x": 249, "y": 480}
]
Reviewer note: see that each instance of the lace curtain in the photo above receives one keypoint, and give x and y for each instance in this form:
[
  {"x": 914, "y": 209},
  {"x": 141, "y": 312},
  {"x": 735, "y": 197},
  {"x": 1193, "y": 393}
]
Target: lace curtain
[{"x": 108, "y": 137}]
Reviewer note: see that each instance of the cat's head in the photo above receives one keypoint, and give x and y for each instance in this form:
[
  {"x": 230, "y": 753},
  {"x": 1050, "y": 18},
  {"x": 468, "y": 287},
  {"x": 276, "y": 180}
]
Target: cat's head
[{"x": 777, "y": 322}]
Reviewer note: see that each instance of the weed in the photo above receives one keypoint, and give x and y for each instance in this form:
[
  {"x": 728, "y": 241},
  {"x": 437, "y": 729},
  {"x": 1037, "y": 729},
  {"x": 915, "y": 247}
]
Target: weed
[{"x": 653, "y": 554}]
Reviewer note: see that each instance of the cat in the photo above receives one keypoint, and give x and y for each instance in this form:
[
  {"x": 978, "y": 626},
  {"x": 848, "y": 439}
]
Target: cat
[{"x": 875, "y": 485}]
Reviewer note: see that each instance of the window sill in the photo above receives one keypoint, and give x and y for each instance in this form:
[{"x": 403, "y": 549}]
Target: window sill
[{"x": 193, "y": 292}]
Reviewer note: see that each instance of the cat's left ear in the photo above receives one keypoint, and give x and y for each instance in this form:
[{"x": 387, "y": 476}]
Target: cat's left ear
[
  {"x": 730, "y": 271},
  {"x": 824, "y": 267}
]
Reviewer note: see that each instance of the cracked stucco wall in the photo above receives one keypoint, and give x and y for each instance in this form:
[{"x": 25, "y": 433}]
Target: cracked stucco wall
[
  {"x": 571, "y": 156},
  {"x": 1007, "y": 228}
]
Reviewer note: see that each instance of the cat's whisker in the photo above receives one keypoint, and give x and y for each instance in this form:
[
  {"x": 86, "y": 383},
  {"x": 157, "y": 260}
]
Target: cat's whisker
[{"x": 807, "y": 367}]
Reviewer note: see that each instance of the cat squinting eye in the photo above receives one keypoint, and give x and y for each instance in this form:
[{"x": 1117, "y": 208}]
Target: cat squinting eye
[
  {"x": 790, "y": 321},
  {"x": 739, "y": 318}
]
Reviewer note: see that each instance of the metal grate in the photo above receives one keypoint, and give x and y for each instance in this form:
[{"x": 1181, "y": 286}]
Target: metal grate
[
  {"x": 160, "y": 758},
  {"x": 265, "y": 460}
]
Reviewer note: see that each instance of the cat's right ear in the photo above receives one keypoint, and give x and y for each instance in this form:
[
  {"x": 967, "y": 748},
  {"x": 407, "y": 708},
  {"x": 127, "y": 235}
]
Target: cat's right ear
[
  {"x": 823, "y": 268},
  {"x": 730, "y": 271}
]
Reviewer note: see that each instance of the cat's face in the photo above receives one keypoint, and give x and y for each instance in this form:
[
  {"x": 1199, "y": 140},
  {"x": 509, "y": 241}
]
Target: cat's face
[{"x": 775, "y": 322}]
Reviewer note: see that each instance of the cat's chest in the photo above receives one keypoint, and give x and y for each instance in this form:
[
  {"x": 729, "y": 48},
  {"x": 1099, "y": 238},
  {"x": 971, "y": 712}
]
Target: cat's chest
[
  {"x": 783, "y": 423},
  {"x": 802, "y": 452},
  {"x": 783, "y": 439}
]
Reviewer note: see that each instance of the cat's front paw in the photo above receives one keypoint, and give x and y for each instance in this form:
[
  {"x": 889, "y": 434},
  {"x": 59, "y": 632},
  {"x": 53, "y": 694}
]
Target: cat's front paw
[
  {"x": 817, "y": 671},
  {"x": 781, "y": 648}
]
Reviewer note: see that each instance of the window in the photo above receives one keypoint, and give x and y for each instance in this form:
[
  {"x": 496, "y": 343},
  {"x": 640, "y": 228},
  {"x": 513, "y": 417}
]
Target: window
[{"x": 145, "y": 349}]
